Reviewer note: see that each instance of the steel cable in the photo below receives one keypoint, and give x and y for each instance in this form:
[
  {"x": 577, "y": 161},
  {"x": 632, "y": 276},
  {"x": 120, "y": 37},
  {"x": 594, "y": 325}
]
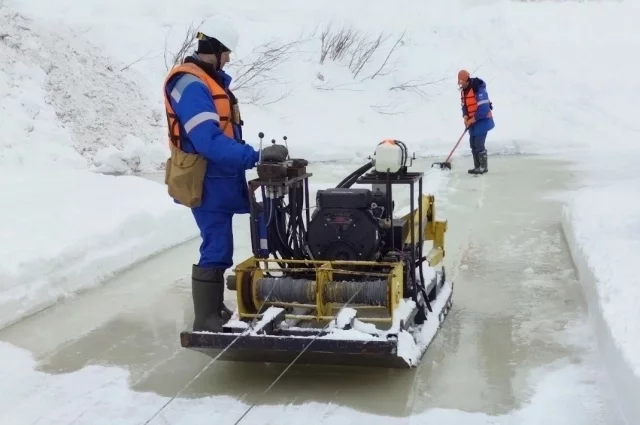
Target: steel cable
[
  {"x": 248, "y": 330},
  {"x": 298, "y": 356}
]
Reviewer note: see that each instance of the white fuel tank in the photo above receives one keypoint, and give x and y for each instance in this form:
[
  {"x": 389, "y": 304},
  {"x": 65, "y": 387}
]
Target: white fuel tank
[{"x": 389, "y": 156}]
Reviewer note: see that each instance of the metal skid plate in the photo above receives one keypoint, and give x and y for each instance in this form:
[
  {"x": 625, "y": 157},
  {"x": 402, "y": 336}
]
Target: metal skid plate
[{"x": 285, "y": 349}]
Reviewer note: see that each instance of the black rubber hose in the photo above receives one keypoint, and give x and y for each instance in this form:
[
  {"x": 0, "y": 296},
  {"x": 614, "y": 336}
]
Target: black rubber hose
[{"x": 351, "y": 178}]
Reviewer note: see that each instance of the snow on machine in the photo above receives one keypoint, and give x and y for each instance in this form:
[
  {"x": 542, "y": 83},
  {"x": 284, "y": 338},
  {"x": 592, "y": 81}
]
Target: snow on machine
[{"x": 349, "y": 284}]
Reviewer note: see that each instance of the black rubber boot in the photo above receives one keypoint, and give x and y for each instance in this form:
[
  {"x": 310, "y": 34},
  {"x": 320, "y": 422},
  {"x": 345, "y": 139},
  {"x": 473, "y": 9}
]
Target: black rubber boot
[
  {"x": 484, "y": 167},
  {"x": 225, "y": 313},
  {"x": 207, "y": 290},
  {"x": 476, "y": 164}
]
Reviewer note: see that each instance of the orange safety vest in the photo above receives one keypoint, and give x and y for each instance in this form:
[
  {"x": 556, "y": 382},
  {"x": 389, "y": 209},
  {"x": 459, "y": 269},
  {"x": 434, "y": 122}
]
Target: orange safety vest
[
  {"x": 469, "y": 100},
  {"x": 220, "y": 100}
]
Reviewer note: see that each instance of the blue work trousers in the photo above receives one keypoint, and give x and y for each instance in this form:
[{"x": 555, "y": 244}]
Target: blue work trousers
[
  {"x": 216, "y": 231},
  {"x": 477, "y": 143}
]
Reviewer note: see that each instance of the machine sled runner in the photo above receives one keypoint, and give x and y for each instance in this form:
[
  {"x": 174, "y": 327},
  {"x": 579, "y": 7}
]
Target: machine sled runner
[{"x": 349, "y": 284}]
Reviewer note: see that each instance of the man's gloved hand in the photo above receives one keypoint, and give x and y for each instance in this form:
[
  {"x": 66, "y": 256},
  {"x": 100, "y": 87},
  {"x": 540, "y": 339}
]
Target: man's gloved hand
[
  {"x": 469, "y": 121},
  {"x": 275, "y": 153}
]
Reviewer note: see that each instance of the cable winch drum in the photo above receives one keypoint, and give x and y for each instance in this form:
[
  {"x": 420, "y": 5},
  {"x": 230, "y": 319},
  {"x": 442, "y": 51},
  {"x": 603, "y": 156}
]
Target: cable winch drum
[{"x": 303, "y": 291}]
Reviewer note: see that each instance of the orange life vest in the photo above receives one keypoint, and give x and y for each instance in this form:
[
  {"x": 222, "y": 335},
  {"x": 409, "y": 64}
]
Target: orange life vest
[
  {"x": 469, "y": 100},
  {"x": 220, "y": 100}
]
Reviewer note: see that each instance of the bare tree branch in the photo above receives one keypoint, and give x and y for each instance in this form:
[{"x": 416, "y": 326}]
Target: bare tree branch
[
  {"x": 279, "y": 98},
  {"x": 357, "y": 49},
  {"x": 252, "y": 73},
  {"x": 339, "y": 87},
  {"x": 393, "y": 49},
  {"x": 258, "y": 70},
  {"x": 384, "y": 110},
  {"x": 186, "y": 45},
  {"x": 140, "y": 59},
  {"x": 415, "y": 86}
]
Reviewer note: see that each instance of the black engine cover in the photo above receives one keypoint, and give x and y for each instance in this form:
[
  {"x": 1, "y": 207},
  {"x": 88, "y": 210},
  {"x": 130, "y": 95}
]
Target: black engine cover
[{"x": 342, "y": 227}]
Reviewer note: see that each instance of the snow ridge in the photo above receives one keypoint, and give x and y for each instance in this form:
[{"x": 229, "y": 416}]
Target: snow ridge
[{"x": 98, "y": 109}]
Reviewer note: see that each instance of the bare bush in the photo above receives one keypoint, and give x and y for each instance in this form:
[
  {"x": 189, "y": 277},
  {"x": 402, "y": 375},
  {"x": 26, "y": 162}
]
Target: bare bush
[
  {"x": 356, "y": 48},
  {"x": 188, "y": 43},
  {"x": 259, "y": 67},
  {"x": 256, "y": 73},
  {"x": 336, "y": 45}
]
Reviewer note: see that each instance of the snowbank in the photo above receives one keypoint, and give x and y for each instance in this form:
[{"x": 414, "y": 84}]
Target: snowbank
[
  {"x": 63, "y": 102},
  {"x": 66, "y": 230},
  {"x": 535, "y": 79},
  {"x": 602, "y": 225},
  {"x": 63, "y": 111}
]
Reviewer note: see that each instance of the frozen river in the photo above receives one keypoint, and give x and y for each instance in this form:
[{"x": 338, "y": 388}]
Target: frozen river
[{"x": 515, "y": 349}]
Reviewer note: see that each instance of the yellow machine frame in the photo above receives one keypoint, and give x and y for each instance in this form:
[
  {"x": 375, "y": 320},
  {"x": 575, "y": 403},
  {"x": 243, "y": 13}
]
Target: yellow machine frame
[{"x": 434, "y": 230}]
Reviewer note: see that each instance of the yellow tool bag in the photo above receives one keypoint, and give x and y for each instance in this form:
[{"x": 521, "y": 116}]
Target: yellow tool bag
[{"x": 184, "y": 177}]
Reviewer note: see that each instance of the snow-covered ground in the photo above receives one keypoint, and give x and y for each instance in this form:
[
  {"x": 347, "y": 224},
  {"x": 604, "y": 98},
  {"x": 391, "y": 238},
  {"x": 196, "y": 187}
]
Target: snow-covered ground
[
  {"x": 80, "y": 92},
  {"x": 602, "y": 224},
  {"x": 67, "y": 230}
]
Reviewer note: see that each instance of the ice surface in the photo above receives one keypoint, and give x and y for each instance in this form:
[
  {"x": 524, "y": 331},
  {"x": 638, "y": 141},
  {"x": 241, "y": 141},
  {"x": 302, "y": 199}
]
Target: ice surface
[{"x": 564, "y": 395}]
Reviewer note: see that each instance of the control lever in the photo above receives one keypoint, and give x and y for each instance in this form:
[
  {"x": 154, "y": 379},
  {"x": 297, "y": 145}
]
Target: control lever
[
  {"x": 261, "y": 136},
  {"x": 287, "y": 146}
]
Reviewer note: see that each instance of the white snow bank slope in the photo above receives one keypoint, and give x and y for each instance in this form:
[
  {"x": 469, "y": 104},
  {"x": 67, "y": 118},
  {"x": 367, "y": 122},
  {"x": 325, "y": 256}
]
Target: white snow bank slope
[
  {"x": 63, "y": 102},
  {"x": 62, "y": 227},
  {"x": 602, "y": 225},
  {"x": 63, "y": 231},
  {"x": 536, "y": 79}
]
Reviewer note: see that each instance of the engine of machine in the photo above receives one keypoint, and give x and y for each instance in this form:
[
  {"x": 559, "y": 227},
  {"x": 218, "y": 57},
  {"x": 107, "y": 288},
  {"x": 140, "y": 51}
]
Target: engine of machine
[{"x": 347, "y": 225}]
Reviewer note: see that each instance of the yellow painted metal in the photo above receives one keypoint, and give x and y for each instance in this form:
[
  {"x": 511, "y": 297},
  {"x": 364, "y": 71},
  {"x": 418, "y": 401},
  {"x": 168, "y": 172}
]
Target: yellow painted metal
[
  {"x": 435, "y": 256},
  {"x": 396, "y": 287},
  {"x": 255, "y": 277},
  {"x": 433, "y": 230},
  {"x": 426, "y": 201},
  {"x": 244, "y": 271},
  {"x": 252, "y": 270},
  {"x": 323, "y": 275}
]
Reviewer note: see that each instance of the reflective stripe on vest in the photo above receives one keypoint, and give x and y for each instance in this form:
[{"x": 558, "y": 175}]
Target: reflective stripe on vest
[
  {"x": 469, "y": 101},
  {"x": 220, "y": 100}
]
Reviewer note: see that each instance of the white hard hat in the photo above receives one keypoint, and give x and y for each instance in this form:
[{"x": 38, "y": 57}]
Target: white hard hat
[{"x": 222, "y": 29}]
